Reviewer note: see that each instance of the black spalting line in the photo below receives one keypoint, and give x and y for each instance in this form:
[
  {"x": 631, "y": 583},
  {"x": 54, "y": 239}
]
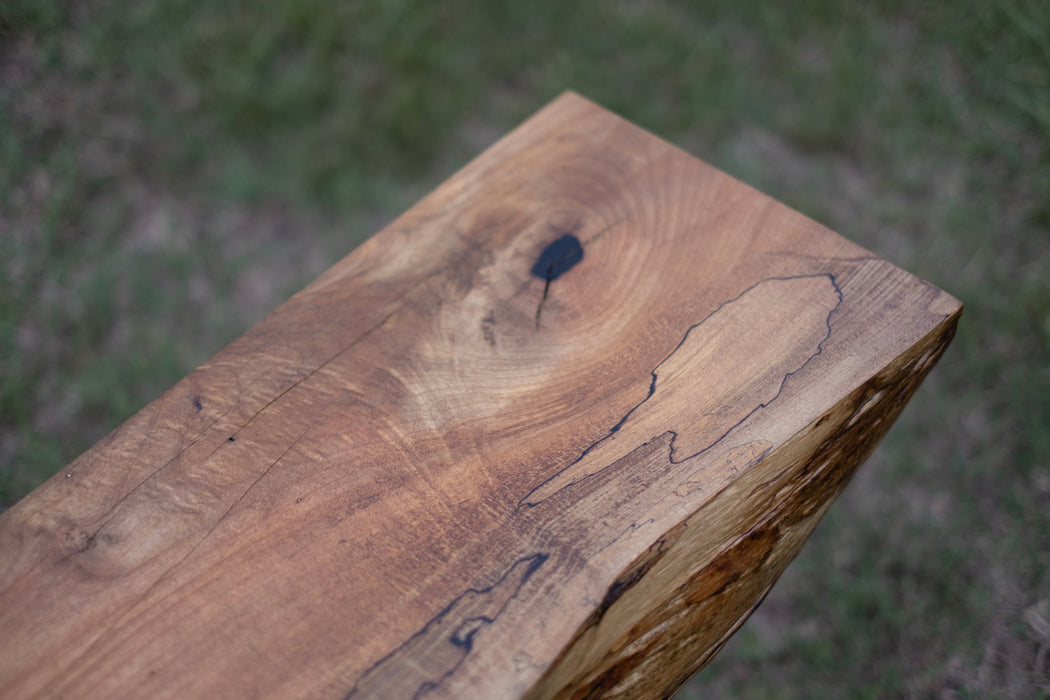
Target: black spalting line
[
  {"x": 463, "y": 636},
  {"x": 557, "y": 258},
  {"x": 621, "y": 585},
  {"x": 526, "y": 503}
]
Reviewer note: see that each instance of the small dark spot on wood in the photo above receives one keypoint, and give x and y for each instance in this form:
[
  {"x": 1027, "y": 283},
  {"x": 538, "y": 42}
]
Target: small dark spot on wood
[
  {"x": 83, "y": 542},
  {"x": 488, "y": 328},
  {"x": 72, "y": 539},
  {"x": 231, "y": 439},
  {"x": 558, "y": 258},
  {"x": 197, "y": 403}
]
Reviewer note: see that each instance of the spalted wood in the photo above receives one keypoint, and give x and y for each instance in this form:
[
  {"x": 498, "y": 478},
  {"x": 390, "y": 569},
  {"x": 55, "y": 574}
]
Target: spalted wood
[{"x": 552, "y": 433}]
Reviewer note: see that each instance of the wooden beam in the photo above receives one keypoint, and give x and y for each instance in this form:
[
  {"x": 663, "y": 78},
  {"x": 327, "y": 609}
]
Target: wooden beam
[{"x": 554, "y": 432}]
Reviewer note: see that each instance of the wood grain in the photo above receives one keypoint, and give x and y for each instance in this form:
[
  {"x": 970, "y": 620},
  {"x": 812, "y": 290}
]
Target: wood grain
[{"x": 471, "y": 460}]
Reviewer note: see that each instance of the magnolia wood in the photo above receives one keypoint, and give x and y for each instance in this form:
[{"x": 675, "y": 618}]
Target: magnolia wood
[{"x": 552, "y": 433}]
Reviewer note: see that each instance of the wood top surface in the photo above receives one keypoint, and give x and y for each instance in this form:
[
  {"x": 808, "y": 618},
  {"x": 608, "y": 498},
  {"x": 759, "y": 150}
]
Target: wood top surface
[{"x": 426, "y": 470}]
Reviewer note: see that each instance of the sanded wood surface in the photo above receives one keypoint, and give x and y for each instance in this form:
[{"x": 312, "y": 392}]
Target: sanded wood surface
[{"x": 553, "y": 432}]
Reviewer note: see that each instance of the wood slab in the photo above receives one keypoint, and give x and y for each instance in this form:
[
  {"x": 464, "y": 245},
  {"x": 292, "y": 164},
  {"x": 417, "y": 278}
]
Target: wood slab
[{"x": 554, "y": 432}]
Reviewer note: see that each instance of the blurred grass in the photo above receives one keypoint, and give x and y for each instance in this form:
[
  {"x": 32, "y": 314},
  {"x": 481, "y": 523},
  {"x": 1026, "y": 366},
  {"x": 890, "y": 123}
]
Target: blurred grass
[{"x": 171, "y": 171}]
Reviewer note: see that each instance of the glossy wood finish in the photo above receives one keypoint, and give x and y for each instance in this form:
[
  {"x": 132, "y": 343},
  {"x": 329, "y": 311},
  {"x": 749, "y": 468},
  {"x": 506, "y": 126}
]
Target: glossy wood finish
[{"x": 553, "y": 432}]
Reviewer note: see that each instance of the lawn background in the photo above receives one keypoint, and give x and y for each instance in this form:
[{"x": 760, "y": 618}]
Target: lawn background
[{"x": 171, "y": 171}]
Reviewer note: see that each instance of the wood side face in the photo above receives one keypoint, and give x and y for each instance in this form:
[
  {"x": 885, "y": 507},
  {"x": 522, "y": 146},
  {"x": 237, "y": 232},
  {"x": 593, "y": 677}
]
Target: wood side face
[
  {"x": 678, "y": 604},
  {"x": 555, "y": 430}
]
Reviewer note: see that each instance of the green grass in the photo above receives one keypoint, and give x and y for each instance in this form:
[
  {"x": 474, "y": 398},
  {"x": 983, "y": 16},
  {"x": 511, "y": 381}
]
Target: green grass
[{"x": 171, "y": 171}]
